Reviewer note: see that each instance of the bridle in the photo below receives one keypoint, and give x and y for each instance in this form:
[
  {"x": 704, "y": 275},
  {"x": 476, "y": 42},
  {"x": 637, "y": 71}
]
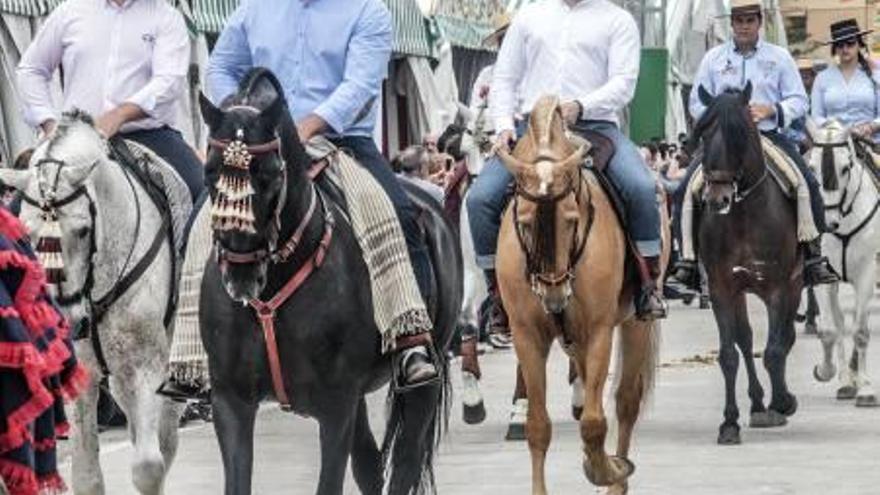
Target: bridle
[
  {"x": 828, "y": 149},
  {"x": 733, "y": 180},
  {"x": 534, "y": 272},
  {"x": 50, "y": 207}
]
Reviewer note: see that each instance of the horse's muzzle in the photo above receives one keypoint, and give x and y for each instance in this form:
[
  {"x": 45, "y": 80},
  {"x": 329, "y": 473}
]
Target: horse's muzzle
[
  {"x": 244, "y": 283},
  {"x": 719, "y": 198}
]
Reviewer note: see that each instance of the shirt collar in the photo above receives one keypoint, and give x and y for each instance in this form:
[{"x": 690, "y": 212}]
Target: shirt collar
[
  {"x": 758, "y": 46},
  {"x": 125, "y": 4}
]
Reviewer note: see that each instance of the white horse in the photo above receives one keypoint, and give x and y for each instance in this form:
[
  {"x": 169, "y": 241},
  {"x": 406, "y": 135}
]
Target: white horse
[
  {"x": 107, "y": 225},
  {"x": 851, "y": 203}
]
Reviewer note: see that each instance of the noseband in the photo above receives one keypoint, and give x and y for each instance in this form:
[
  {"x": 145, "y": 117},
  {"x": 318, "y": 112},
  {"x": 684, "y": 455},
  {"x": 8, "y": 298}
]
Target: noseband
[
  {"x": 733, "y": 179},
  {"x": 534, "y": 272}
]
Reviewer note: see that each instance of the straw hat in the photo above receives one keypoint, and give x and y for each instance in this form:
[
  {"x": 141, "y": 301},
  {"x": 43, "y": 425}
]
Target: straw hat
[
  {"x": 745, "y": 7},
  {"x": 500, "y": 22},
  {"x": 805, "y": 64}
]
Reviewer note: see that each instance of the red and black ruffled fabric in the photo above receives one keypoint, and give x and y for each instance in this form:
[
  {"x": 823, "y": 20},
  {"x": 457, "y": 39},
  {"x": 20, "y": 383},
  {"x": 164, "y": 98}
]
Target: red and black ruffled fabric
[{"x": 38, "y": 369}]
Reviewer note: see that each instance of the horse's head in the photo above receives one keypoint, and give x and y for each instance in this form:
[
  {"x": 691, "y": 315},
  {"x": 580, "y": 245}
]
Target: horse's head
[
  {"x": 547, "y": 213},
  {"x": 730, "y": 144},
  {"x": 832, "y": 158},
  {"x": 252, "y": 148},
  {"x": 60, "y": 209}
]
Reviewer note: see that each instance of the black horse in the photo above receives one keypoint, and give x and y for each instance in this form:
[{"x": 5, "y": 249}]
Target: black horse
[
  {"x": 747, "y": 239},
  {"x": 327, "y": 339}
]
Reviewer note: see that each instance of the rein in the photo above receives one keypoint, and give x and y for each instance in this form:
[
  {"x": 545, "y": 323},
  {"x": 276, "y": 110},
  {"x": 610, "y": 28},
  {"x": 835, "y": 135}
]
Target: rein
[{"x": 533, "y": 269}]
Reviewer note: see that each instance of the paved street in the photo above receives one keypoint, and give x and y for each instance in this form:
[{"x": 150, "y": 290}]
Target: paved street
[{"x": 829, "y": 447}]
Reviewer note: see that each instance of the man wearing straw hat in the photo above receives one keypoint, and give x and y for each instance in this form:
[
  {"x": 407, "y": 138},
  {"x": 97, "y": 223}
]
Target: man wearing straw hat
[{"x": 778, "y": 99}]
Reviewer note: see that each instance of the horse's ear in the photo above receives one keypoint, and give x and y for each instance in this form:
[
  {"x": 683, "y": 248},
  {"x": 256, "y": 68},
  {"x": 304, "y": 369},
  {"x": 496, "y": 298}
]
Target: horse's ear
[
  {"x": 210, "y": 113},
  {"x": 23, "y": 160},
  {"x": 705, "y": 97},
  {"x": 273, "y": 112},
  {"x": 16, "y": 179},
  {"x": 747, "y": 93},
  {"x": 575, "y": 161},
  {"x": 514, "y": 165}
]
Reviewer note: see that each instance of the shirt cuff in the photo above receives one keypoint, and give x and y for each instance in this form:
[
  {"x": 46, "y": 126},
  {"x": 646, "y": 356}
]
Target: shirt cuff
[
  {"x": 332, "y": 117},
  {"x": 145, "y": 101},
  {"x": 36, "y": 116},
  {"x": 504, "y": 124}
]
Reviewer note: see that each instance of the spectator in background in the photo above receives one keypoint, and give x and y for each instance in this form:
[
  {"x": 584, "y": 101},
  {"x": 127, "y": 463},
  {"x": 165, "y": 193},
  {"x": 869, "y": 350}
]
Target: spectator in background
[{"x": 413, "y": 165}]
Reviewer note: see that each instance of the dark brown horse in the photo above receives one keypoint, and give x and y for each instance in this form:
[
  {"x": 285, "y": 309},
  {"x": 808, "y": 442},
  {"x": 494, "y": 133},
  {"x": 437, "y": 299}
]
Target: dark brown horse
[{"x": 747, "y": 239}]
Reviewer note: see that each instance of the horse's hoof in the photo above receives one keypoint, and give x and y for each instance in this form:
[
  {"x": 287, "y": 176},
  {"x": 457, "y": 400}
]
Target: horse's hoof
[
  {"x": 619, "y": 469},
  {"x": 704, "y": 302},
  {"x": 729, "y": 435},
  {"x": 767, "y": 419},
  {"x": 621, "y": 488},
  {"x": 791, "y": 408},
  {"x": 847, "y": 392},
  {"x": 867, "y": 401},
  {"x": 516, "y": 432},
  {"x": 811, "y": 329},
  {"x": 474, "y": 415},
  {"x": 824, "y": 375},
  {"x": 576, "y": 412}
]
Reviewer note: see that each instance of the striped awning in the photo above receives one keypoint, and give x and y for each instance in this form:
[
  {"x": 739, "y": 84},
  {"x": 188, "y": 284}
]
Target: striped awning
[
  {"x": 466, "y": 23},
  {"x": 30, "y": 8}
]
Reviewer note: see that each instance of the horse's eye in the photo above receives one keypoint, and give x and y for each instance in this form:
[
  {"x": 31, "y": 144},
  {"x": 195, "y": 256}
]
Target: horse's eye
[{"x": 81, "y": 233}]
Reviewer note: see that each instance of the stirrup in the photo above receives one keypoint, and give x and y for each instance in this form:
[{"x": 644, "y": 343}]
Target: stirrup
[
  {"x": 643, "y": 312},
  {"x": 183, "y": 393},
  {"x": 398, "y": 380},
  {"x": 687, "y": 272},
  {"x": 818, "y": 271}
]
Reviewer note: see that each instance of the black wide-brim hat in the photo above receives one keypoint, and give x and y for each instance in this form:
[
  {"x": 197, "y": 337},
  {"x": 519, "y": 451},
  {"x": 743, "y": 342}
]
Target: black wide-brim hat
[{"x": 845, "y": 30}]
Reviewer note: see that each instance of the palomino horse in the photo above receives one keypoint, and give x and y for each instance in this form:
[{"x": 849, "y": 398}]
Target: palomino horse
[
  {"x": 747, "y": 239},
  {"x": 562, "y": 267},
  {"x": 328, "y": 346},
  {"x": 109, "y": 228},
  {"x": 851, "y": 203}
]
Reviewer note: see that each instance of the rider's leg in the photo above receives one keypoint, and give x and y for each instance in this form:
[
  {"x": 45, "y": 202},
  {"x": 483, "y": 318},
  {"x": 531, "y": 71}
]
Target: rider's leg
[
  {"x": 686, "y": 270},
  {"x": 170, "y": 146},
  {"x": 416, "y": 363},
  {"x": 486, "y": 200},
  {"x": 817, "y": 270},
  {"x": 638, "y": 188}
]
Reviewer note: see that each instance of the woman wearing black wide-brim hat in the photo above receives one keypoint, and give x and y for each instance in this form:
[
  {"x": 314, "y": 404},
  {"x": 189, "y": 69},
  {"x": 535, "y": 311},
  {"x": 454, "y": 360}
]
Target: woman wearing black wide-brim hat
[{"x": 848, "y": 89}]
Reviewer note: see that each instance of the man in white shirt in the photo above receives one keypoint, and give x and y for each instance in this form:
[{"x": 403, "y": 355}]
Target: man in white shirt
[
  {"x": 586, "y": 52},
  {"x": 125, "y": 62}
]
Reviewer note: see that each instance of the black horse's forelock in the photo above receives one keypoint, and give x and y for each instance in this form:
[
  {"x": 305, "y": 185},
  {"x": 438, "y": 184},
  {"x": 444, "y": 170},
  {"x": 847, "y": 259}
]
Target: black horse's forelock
[
  {"x": 829, "y": 171},
  {"x": 727, "y": 114}
]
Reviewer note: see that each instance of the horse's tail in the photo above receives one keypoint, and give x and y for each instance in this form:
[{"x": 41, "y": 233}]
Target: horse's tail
[
  {"x": 651, "y": 364},
  {"x": 416, "y": 422}
]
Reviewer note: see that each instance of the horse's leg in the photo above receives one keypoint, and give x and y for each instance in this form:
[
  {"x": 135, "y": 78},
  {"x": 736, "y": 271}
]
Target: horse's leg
[
  {"x": 473, "y": 407},
  {"x": 782, "y": 307},
  {"x": 86, "y": 467},
  {"x": 832, "y": 334},
  {"x": 866, "y": 396},
  {"x": 337, "y": 436},
  {"x": 516, "y": 427},
  {"x": 366, "y": 460},
  {"x": 728, "y": 313},
  {"x": 635, "y": 341},
  {"x": 532, "y": 351},
  {"x": 598, "y": 467},
  {"x": 234, "y": 419},
  {"x": 745, "y": 341},
  {"x": 812, "y": 311},
  {"x": 577, "y": 389}
]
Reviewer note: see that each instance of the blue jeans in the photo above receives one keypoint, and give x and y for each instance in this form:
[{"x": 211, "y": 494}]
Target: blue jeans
[{"x": 487, "y": 197}]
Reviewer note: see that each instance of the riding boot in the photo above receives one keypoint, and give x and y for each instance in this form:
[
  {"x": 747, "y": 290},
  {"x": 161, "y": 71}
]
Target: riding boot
[
  {"x": 817, "y": 270},
  {"x": 688, "y": 273},
  {"x": 499, "y": 327},
  {"x": 649, "y": 303},
  {"x": 416, "y": 362}
]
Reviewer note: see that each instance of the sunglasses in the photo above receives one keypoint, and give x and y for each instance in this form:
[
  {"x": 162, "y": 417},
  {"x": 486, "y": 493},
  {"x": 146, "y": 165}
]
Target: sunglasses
[{"x": 844, "y": 43}]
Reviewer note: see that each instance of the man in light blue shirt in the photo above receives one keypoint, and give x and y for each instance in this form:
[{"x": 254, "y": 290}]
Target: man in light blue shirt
[
  {"x": 778, "y": 99},
  {"x": 331, "y": 57}
]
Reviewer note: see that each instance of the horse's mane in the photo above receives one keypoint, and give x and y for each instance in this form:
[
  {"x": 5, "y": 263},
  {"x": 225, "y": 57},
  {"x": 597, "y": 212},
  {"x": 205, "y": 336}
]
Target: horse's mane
[{"x": 727, "y": 110}]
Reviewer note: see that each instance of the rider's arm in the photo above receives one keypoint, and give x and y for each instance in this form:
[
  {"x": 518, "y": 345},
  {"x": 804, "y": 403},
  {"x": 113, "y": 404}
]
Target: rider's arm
[
  {"x": 170, "y": 62},
  {"x": 509, "y": 68},
  {"x": 366, "y": 66},
  {"x": 623, "y": 71},
  {"x": 818, "y": 113},
  {"x": 793, "y": 102},
  {"x": 36, "y": 68},
  {"x": 231, "y": 58},
  {"x": 702, "y": 80}
]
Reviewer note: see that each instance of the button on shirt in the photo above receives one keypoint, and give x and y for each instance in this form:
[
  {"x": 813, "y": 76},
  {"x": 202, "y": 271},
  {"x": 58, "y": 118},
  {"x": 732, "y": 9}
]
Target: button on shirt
[
  {"x": 849, "y": 102},
  {"x": 135, "y": 53},
  {"x": 330, "y": 56},
  {"x": 589, "y": 53},
  {"x": 773, "y": 73}
]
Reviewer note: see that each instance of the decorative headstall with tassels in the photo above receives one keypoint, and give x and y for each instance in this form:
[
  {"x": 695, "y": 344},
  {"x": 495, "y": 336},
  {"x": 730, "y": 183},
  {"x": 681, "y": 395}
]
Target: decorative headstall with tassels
[{"x": 232, "y": 208}]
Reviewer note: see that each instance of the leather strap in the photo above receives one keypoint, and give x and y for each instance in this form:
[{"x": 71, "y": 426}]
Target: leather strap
[{"x": 266, "y": 311}]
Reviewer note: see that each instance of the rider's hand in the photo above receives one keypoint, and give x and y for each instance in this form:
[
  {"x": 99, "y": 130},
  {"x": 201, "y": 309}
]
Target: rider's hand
[
  {"x": 109, "y": 124},
  {"x": 864, "y": 130},
  {"x": 761, "y": 112},
  {"x": 47, "y": 128},
  {"x": 571, "y": 112},
  {"x": 309, "y": 127},
  {"x": 505, "y": 140}
]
